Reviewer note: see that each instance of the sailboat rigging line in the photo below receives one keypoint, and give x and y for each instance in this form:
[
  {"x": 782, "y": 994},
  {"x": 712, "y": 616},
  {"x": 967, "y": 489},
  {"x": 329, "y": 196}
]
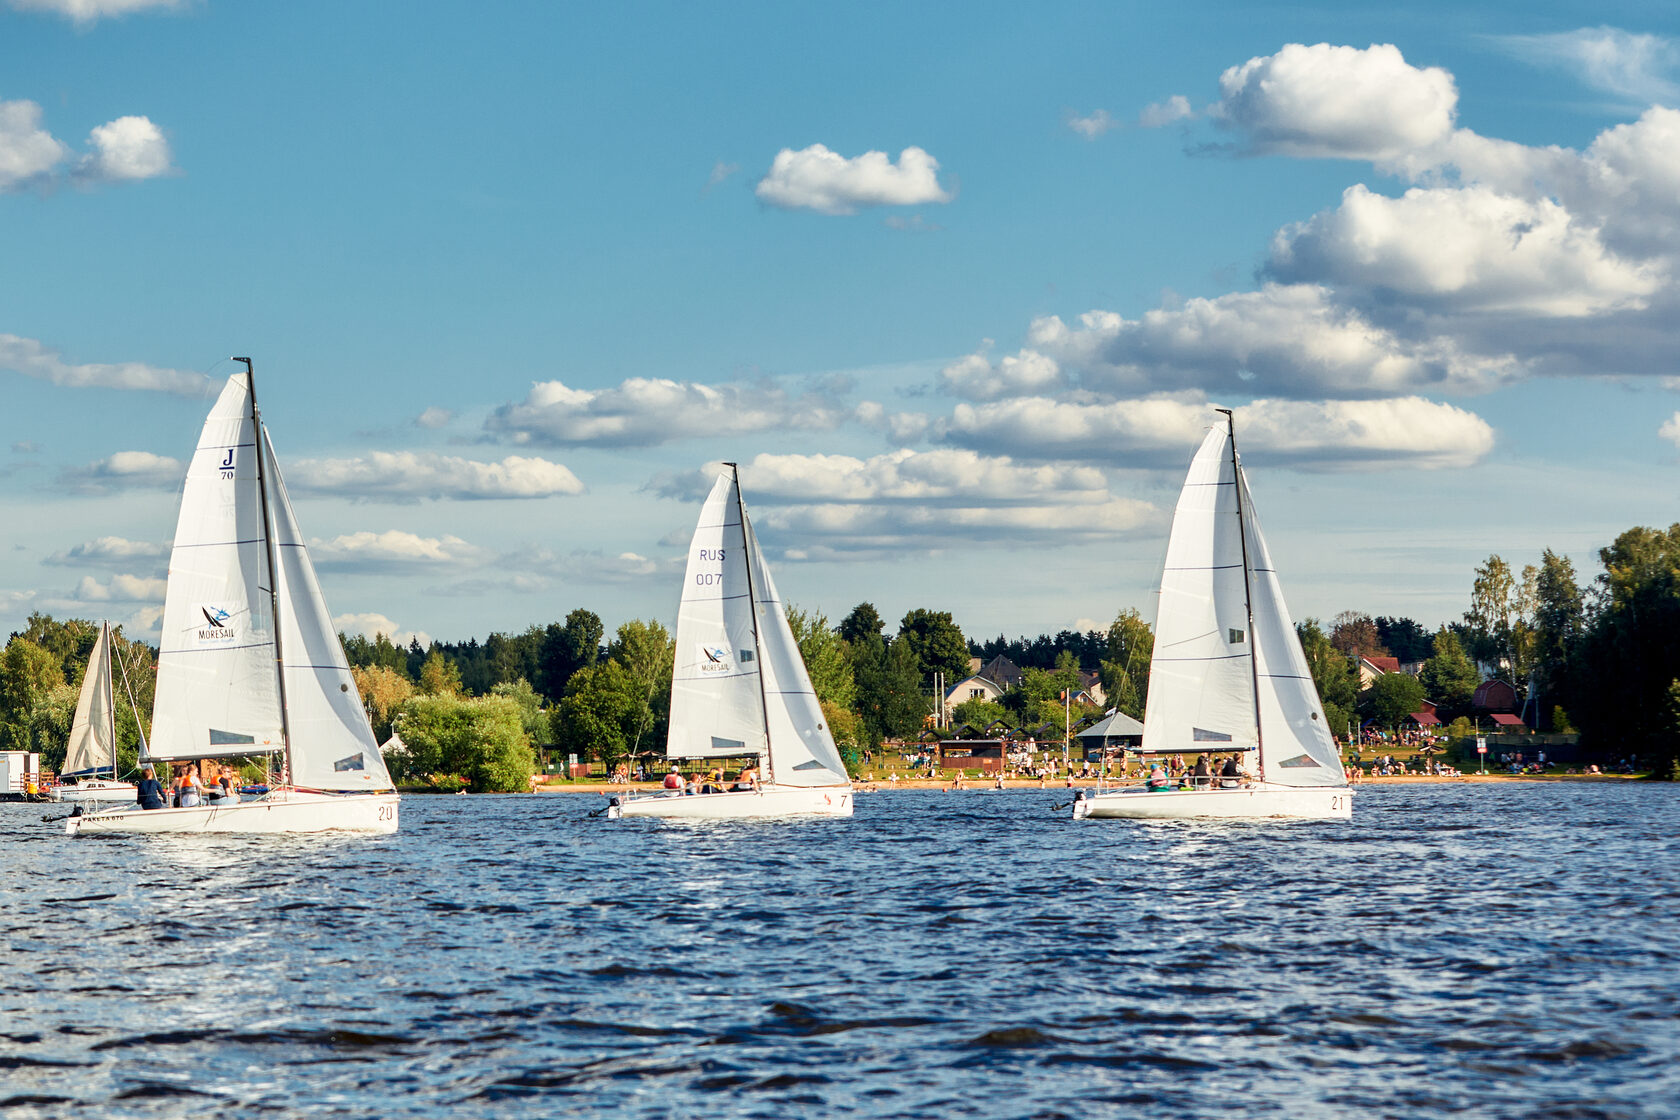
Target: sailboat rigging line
[
  {"x": 261, "y": 439},
  {"x": 107, "y": 671},
  {"x": 132, "y": 703},
  {"x": 1248, "y": 593},
  {"x": 758, "y": 646}
]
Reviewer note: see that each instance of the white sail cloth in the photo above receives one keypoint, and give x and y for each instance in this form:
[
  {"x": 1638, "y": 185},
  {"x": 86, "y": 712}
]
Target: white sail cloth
[
  {"x": 734, "y": 693},
  {"x": 1217, "y": 683},
  {"x": 219, "y": 675},
  {"x": 92, "y": 747}
]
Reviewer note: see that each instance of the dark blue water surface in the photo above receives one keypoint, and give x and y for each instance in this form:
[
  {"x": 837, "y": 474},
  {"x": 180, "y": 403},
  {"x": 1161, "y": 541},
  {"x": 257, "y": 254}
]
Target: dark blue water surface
[{"x": 1498, "y": 950}]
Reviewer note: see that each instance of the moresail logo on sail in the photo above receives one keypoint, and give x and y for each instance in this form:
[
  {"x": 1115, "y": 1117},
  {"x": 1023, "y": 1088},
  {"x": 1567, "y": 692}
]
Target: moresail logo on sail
[
  {"x": 216, "y": 629},
  {"x": 715, "y": 659}
]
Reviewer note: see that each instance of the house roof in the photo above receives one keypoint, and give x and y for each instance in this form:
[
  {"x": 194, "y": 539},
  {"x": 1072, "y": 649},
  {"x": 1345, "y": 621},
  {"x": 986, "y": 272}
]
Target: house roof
[
  {"x": 1002, "y": 671},
  {"x": 1383, "y": 664},
  {"x": 1505, "y": 720},
  {"x": 1426, "y": 718},
  {"x": 1117, "y": 725}
]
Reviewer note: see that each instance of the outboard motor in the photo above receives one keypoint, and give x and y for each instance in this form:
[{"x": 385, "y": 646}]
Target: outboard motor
[
  {"x": 1081, "y": 806},
  {"x": 613, "y": 810}
]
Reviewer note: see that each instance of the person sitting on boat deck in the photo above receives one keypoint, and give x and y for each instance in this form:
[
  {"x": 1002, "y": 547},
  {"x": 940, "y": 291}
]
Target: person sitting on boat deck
[
  {"x": 748, "y": 778},
  {"x": 189, "y": 790},
  {"x": 1230, "y": 774},
  {"x": 713, "y": 782},
  {"x": 1203, "y": 773},
  {"x": 149, "y": 791},
  {"x": 1157, "y": 777},
  {"x": 220, "y": 791},
  {"x": 673, "y": 780}
]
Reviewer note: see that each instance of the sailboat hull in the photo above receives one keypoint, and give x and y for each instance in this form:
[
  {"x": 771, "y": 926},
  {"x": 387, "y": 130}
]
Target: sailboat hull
[
  {"x": 98, "y": 790},
  {"x": 771, "y": 801},
  {"x": 283, "y": 811},
  {"x": 1136, "y": 803}
]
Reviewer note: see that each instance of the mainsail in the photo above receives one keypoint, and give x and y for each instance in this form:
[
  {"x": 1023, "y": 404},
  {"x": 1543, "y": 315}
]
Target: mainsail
[
  {"x": 1228, "y": 673},
  {"x": 93, "y": 748},
  {"x": 739, "y": 685},
  {"x": 217, "y": 691}
]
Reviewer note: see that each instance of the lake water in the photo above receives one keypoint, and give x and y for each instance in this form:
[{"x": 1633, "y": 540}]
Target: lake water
[{"x": 1495, "y": 951}]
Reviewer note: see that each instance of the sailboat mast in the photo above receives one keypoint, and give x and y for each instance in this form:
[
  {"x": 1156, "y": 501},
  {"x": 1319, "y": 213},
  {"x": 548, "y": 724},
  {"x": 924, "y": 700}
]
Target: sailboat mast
[
  {"x": 111, "y": 684},
  {"x": 752, "y": 606},
  {"x": 1248, "y": 592},
  {"x": 273, "y": 569}
]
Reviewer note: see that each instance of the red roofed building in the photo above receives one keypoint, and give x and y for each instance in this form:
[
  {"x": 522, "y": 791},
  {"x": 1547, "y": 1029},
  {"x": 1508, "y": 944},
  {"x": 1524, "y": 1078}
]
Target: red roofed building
[
  {"x": 1494, "y": 696},
  {"x": 1370, "y": 668}
]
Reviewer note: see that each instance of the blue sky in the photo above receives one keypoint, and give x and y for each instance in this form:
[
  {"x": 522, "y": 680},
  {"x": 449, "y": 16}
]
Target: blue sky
[{"x": 514, "y": 275}]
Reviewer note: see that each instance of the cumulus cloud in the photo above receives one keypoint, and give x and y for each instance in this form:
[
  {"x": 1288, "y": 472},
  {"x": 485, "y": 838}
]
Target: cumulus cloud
[
  {"x": 433, "y": 417},
  {"x": 1092, "y": 126},
  {"x": 1288, "y": 339},
  {"x": 830, "y": 531},
  {"x": 90, "y": 11},
  {"x": 127, "y": 148},
  {"x": 370, "y": 625},
  {"x": 121, "y": 589},
  {"x": 1670, "y": 429},
  {"x": 1634, "y": 66},
  {"x": 110, "y": 552},
  {"x": 1472, "y": 248},
  {"x": 642, "y": 412},
  {"x": 1162, "y": 113},
  {"x": 126, "y": 470},
  {"x": 407, "y": 476},
  {"x": 978, "y": 377},
  {"x": 1157, "y": 432},
  {"x": 28, "y": 152},
  {"x": 33, "y": 359},
  {"x": 815, "y": 178},
  {"x": 1337, "y": 102},
  {"x": 721, "y": 172},
  {"x": 393, "y": 549}
]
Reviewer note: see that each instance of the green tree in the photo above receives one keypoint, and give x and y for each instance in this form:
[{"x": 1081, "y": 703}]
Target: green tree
[
  {"x": 529, "y": 701},
  {"x": 383, "y": 690},
  {"x": 1559, "y": 617},
  {"x": 645, "y": 651},
  {"x": 1449, "y": 676},
  {"x": 1332, "y": 672},
  {"x": 28, "y": 674},
  {"x": 478, "y": 742},
  {"x": 938, "y": 643},
  {"x": 1499, "y": 604},
  {"x": 979, "y": 712},
  {"x": 1392, "y": 697},
  {"x": 890, "y": 697},
  {"x": 566, "y": 648},
  {"x": 827, "y": 657},
  {"x": 1125, "y": 671},
  {"x": 1356, "y": 635},
  {"x": 862, "y": 624},
  {"x": 439, "y": 677},
  {"x": 598, "y": 717}
]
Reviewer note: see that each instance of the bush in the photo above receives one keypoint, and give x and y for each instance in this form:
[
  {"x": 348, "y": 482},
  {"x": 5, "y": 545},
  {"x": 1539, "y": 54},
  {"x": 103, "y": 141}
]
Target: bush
[{"x": 479, "y": 743}]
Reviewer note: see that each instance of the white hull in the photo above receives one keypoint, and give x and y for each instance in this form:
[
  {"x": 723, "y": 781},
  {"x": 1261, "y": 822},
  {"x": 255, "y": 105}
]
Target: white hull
[
  {"x": 771, "y": 801},
  {"x": 96, "y": 790},
  {"x": 1137, "y": 803},
  {"x": 281, "y": 811}
]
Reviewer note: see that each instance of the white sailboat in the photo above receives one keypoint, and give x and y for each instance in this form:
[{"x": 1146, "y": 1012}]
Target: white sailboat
[
  {"x": 92, "y": 750},
  {"x": 739, "y": 685},
  {"x": 1228, "y": 676},
  {"x": 249, "y": 661}
]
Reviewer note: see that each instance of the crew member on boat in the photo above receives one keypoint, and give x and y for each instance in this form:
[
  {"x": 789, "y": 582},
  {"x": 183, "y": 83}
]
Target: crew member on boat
[
  {"x": 149, "y": 791},
  {"x": 1230, "y": 774},
  {"x": 748, "y": 778}
]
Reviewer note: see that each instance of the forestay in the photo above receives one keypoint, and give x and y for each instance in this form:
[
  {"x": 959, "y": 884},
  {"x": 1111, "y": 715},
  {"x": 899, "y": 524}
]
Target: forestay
[
  {"x": 91, "y": 748},
  {"x": 802, "y": 751},
  {"x": 717, "y": 707},
  {"x": 1296, "y": 746},
  {"x": 217, "y": 691},
  {"x": 1201, "y": 677},
  {"x": 332, "y": 745}
]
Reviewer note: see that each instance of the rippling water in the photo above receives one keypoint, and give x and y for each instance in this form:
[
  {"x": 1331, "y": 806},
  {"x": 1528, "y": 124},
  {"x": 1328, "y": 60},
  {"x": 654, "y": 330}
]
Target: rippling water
[{"x": 1509, "y": 950}]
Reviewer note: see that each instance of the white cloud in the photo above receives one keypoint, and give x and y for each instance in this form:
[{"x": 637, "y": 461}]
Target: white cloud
[
  {"x": 1092, "y": 126},
  {"x": 1670, "y": 429},
  {"x": 1162, "y": 113},
  {"x": 108, "y": 552},
  {"x": 371, "y": 625},
  {"x": 127, "y": 470},
  {"x": 32, "y": 359},
  {"x": 1343, "y": 435},
  {"x": 403, "y": 476},
  {"x": 1470, "y": 249},
  {"x": 89, "y": 11},
  {"x": 1338, "y": 102},
  {"x": 128, "y": 148},
  {"x": 28, "y": 152},
  {"x": 121, "y": 589},
  {"x": 815, "y": 178},
  {"x": 643, "y": 411},
  {"x": 1294, "y": 340},
  {"x": 978, "y": 377},
  {"x": 393, "y": 549},
  {"x": 1635, "y": 66},
  {"x": 433, "y": 417},
  {"x": 721, "y": 171},
  {"x": 829, "y": 531}
]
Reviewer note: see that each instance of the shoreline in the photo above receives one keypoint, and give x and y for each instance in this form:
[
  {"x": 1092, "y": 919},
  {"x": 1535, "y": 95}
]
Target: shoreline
[{"x": 984, "y": 785}]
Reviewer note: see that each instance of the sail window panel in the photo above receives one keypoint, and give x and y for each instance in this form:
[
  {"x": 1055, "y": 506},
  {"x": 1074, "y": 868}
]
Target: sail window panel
[
  {"x": 216, "y": 655},
  {"x": 802, "y": 749},
  {"x": 324, "y": 710},
  {"x": 715, "y": 695}
]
